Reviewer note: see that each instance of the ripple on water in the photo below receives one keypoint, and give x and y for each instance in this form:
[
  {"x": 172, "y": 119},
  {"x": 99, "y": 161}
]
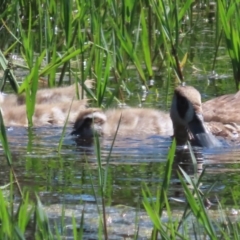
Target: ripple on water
[{"x": 67, "y": 178}]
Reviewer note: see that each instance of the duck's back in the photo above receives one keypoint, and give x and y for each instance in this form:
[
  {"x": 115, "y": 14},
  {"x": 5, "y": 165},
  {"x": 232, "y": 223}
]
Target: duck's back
[
  {"x": 47, "y": 95},
  {"x": 61, "y": 94},
  {"x": 137, "y": 121},
  {"x": 223, "y": 109},
  {"x": 45, "y": 114},
  {"x": 222, "y": 115}
]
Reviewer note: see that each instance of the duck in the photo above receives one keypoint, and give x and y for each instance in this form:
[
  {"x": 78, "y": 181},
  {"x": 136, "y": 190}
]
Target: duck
[
  {"x": 205, "y": 124},
  {"x": 222, "y": 116},
  {"x": 48, "y": 95},
  {"x": 127, "y": 122},
  {"x": 51, "y": 108},
  {"x": 53, "y": 114},
  {"x": 189, "y": 123},
  {"x": 188, "y": 120}
]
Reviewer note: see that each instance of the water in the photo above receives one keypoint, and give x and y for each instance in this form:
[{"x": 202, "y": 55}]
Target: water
[
  {"x": 66, "y": 178},
  {"x": 38, "y": 163}
]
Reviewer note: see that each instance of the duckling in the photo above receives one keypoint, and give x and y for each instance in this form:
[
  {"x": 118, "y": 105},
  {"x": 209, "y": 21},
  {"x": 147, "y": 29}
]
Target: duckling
[
  {"x": 46, "y": 96},
  {"x": 61, "y": 94},
  {"x": 187, "y": 121},
  {"x": 131, "y": 121},
  {"x": 45, "y": 114}
]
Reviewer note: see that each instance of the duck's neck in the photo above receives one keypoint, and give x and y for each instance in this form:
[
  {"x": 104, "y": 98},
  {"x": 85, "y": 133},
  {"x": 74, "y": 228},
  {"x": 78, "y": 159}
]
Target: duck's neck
[{"x": 181, "y": 134}]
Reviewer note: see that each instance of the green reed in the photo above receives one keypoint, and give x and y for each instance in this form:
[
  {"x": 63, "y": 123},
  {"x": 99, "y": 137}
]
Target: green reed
[
  {"x": 229, "y": 15},
  {"x": 155, "y": 210},
  {"x": 8, "y": 74},
  {"x": 169, "y": 18},
  {"x": 103, "y": 181},
  {"x": 101, "y": 40},
  {"x": 15, "y": 224},
  {"x": 146, "y": 41},
  {"x": 179, "y": 227},
  {"x": 197, "y": 207},
  {"x": 97, "y": 40}
]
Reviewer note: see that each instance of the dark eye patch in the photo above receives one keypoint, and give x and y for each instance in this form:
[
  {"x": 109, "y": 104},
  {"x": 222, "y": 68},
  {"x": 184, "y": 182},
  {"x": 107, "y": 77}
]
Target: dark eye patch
[{"x": 182, "y": 105}]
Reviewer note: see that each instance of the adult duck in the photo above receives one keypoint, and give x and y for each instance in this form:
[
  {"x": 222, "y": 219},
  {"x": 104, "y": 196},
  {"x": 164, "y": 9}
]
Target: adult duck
[{"x": 189, "y": 119}]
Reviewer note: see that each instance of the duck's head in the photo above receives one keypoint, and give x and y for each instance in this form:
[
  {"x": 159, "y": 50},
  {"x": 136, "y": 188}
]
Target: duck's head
[
  {"x": 187, "y": 118},
  {"x": 89, "y": 122}
]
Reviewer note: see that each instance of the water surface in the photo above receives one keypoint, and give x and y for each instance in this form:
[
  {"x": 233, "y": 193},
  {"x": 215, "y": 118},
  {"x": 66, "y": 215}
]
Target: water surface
[
  {"x": 68, "y": 178},
  {"x": 133, "y": 161}
]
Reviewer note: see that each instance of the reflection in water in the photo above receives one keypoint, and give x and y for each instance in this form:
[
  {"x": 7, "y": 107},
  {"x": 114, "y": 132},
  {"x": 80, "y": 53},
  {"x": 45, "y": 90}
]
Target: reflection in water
[
  {"x": 133, "y": 161},
  {"x": 68, "y": 177},
  {"x": 192, "y": 166},
  {"x": 184, "y": 160}
]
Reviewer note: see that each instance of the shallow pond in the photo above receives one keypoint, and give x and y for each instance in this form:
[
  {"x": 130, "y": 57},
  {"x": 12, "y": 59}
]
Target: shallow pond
[{"x": 69, "y": 177}]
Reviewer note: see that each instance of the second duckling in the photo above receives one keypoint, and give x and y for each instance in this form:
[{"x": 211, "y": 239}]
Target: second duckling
[
  {"x": 48, "y": 95},
  {"x": 131, "y": 122},
  {"x": 45, "y": 114},
  {"x": 187, "y": 121}
]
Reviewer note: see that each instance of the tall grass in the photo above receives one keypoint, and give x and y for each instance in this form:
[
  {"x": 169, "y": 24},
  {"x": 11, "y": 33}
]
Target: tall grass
[
  {"x": 15, "y": 224},
  {"x": 192, "y": 223},
  {"x": 102, "y": 180},
  {"x": 8, "y": 74},
  {"x": 229, "y": 15},
  {"x": 155, "y": 210},
  {"x": 169, "y": 20},
  {"x": 101, "y": 39}
]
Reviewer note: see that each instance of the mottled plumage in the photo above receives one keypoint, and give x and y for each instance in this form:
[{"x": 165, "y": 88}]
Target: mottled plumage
[
  {"x": 52, "y": 106},
  {"x": 131, "y": 121},
  {"x": 189, "y": 119},
  {"x": 223, "y": 117}
]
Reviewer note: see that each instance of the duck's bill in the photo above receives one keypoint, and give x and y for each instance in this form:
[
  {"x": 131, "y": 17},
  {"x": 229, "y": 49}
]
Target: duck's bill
[
  {"x": 201, "y": 136},
  {"x": 207, "y": 140}
]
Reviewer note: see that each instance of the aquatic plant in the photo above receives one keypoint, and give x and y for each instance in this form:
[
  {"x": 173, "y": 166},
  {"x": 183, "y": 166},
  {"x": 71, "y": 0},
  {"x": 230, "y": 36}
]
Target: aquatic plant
[
  {"x": 153, "y": 209},
  {"x": 103, "y": 40},
  {"x": 195, "y": 220},
  {"x": 229, "y": 16},
  {"x": 108, "y": 29}
]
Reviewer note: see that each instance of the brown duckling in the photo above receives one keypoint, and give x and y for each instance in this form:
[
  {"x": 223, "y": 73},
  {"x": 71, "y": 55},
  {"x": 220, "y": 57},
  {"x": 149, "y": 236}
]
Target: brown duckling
[
  {"x": 47, "y": 96},
  {"x": 190, "y": 119},
  {"x": 131, "y": 121},
  {"x": 45, "y": 114}
]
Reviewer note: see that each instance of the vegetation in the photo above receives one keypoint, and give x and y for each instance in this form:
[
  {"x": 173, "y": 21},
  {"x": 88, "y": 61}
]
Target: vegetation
[
  {"x": 229, "y": 16},
  {"x": 105, "y": 40},
  {"x": 29, "y": 219}
]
